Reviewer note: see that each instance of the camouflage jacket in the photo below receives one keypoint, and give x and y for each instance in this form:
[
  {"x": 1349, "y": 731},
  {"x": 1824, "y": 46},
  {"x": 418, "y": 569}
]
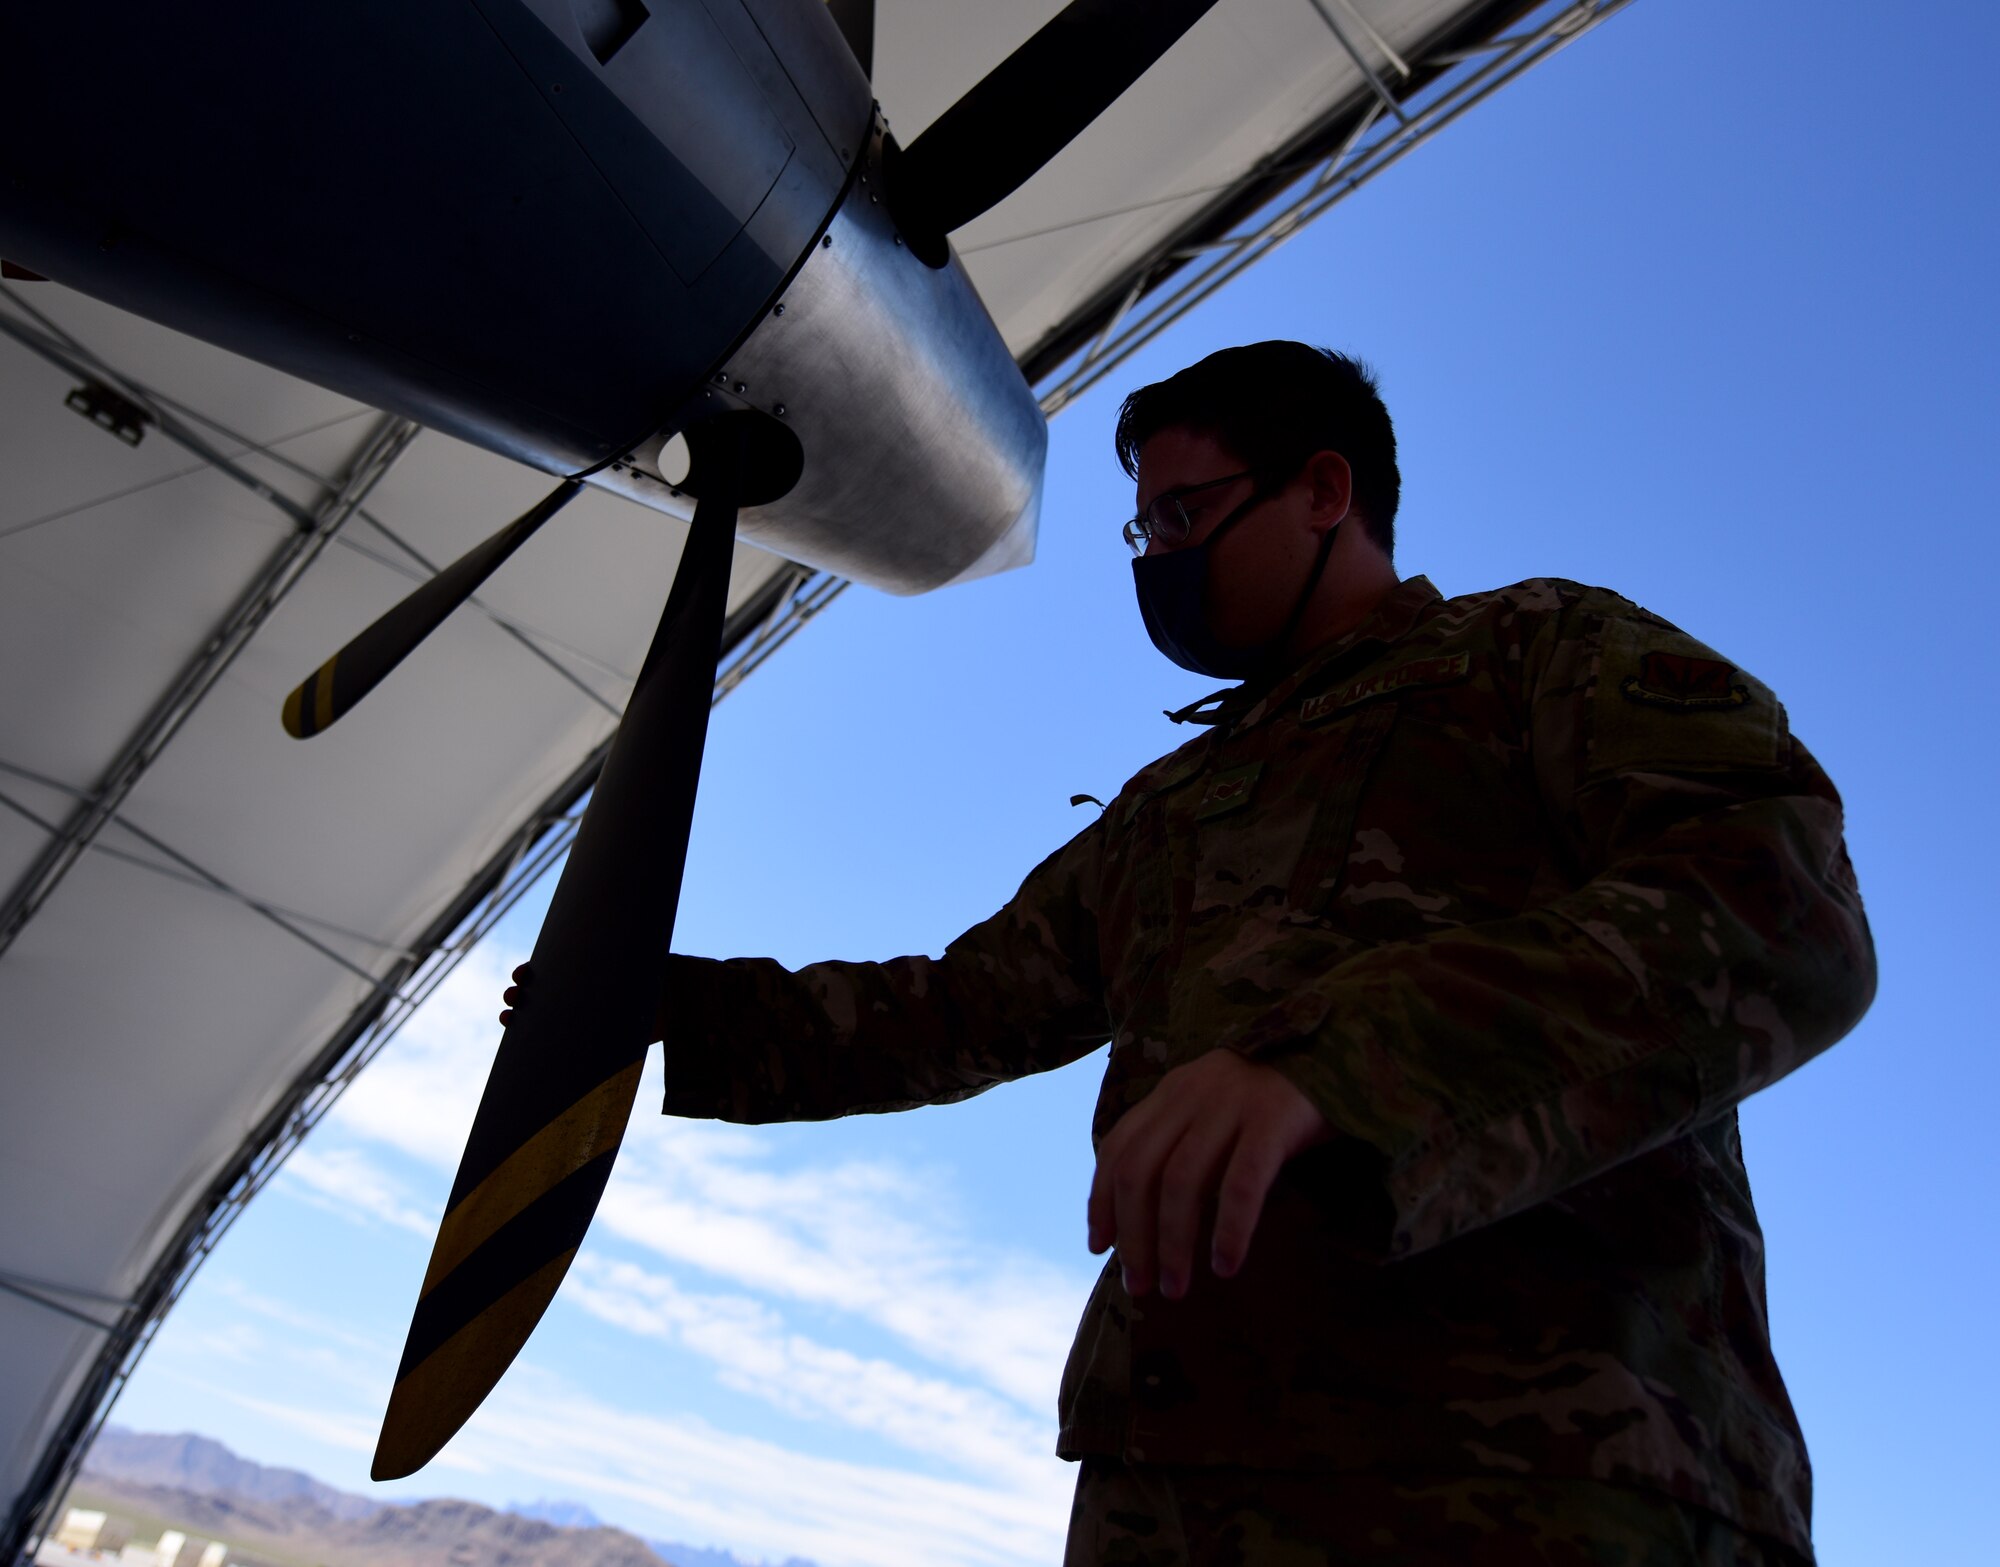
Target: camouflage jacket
[{"x": 1526, "y": 890}]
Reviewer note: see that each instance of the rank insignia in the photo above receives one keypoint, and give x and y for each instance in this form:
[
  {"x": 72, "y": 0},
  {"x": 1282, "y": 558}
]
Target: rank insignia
[
  {"x": 1674, "y": 680},
  {"x": 1227, "y": 791}
]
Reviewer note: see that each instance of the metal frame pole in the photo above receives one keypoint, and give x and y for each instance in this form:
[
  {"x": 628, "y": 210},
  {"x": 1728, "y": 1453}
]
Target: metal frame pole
[
  {"x": 1461, "y": 78},
  {"x": 387, "y": 442},
  {"x": 534, "y": 849}
]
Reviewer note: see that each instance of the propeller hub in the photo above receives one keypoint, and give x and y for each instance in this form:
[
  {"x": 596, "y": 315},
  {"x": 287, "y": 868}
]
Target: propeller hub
[{"x": 920, "y": 444}]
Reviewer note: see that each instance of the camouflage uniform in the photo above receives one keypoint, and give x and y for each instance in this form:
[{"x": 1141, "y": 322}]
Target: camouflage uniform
[
  {"x": 1155, "y": 1515},
  {"x": 1525, "y": 890}
]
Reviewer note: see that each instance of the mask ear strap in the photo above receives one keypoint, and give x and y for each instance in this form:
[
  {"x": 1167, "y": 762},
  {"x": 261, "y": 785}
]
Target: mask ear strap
[
  {"x": 1261, "y": 492},
  {"x": 1283, "y": 638},
  {"x": 1193, "y": 713}
]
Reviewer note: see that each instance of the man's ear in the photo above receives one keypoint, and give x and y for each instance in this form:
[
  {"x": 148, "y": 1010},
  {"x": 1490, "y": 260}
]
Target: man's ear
[{"x": 1332, "y": 491}]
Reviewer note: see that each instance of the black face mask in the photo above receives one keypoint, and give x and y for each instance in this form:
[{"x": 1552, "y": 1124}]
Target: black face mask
[{"x": 1173, "y": 589}]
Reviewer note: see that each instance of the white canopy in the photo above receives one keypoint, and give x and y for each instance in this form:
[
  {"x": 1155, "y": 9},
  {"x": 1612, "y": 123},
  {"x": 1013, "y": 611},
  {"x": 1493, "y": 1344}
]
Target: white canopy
[{"x": 205, "y": 925}]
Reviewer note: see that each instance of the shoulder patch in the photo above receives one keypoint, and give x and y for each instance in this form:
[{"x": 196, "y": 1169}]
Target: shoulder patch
[
  {"x": 1665, "y": 702},
  {"x": 1441, "y": 670},
  {"x": 1679, "y": 680}
]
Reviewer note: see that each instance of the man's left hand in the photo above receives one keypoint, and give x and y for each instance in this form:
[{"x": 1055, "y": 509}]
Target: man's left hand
[{"x": 1219, "y": 1128}]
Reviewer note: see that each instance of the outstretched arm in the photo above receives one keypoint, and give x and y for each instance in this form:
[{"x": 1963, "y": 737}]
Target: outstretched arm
[{"x": 748, "y": 1040}]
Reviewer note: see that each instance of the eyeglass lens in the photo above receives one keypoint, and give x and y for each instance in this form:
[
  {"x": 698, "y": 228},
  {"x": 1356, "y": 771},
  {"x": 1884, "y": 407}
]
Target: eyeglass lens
[{"x": 1166, "y": 520}]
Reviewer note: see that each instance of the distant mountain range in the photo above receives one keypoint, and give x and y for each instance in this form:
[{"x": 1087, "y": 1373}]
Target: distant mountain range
[
  {"x": 288, "y": 1519},
  {"x": 194, "y": 1463},
  {"x": 574, "y": 1515}
]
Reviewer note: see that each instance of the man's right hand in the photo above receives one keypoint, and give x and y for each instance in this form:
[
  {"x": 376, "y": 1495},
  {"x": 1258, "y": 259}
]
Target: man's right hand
[{"x": 516, "y": 995}]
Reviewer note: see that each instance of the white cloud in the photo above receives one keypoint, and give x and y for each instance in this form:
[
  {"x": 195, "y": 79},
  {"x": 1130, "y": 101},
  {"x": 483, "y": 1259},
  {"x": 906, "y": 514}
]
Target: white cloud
[
  {"x": 679, "y": 1477},
  {"x": 756, "y": 1354},
  {"x": 350, "y": 1433},
  {"x": 868, "y": 1237},
  {"x": 346, "y": 1181},
  {"x": 889, "y": 1245},
  {"x": 288, "y": 1315},
  {"x": 234, "y": 1357},
  {"x": 420, "y": 1094},
  {"x": 699, "y": 1484},
  {"x": 856, "y": 1240}
]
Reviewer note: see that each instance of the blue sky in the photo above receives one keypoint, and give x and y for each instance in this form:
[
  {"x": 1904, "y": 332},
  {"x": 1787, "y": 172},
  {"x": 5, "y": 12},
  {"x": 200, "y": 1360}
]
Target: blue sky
[{"x": 1703, "y": 310}]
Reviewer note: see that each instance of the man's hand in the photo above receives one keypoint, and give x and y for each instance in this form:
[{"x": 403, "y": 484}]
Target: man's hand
[
  {"x": 1217, "y": 1119},
  {"x": 516, "y": 995}
]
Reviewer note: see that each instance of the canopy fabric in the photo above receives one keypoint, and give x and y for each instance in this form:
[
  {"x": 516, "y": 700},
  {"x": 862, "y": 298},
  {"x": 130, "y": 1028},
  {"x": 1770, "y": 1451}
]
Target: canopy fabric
[{"x": 230, "y": 930}]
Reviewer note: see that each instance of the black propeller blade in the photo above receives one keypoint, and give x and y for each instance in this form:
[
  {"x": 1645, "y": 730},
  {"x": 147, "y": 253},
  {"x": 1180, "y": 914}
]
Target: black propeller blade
[
  {"x": 1029, "y": 107},
  {"x": 359, "y": 668},
  {"x": 562, "y": 1085},
  {"x": 561, "y": 1090},
  {"x": 856, "y": 21}
]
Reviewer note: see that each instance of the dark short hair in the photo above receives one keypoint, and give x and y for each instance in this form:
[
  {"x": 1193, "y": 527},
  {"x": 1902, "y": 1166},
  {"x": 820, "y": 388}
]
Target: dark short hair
[{"x": 1274, "y": 404}]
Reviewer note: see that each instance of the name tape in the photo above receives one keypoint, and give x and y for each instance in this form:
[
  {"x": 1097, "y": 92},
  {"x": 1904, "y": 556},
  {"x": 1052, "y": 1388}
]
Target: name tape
[{"x": 1439, "y": 671}]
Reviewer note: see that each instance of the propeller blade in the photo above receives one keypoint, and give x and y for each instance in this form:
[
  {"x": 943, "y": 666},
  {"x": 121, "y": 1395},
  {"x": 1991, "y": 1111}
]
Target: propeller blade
[
  {"x": 856, "y": 21},
  {"x": 1031, "y": 106},
  {"x": 359, "y": 668},
  {"x": 563, "y": 1082}
]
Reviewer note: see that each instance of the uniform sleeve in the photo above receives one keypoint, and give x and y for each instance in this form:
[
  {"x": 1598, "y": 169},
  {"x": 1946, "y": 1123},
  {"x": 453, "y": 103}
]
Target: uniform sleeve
[
  {"x": 748, "y": 1040},
  {"x": 1713, "y": 942}
]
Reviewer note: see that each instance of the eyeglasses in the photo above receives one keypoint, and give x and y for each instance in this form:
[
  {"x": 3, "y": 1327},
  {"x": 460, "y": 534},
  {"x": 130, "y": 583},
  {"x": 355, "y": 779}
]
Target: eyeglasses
[{"x": 1166, "y": 518}]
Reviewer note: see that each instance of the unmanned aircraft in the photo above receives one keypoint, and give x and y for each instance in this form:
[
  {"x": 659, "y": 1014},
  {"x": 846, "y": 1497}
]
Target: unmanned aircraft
[{"x": 667, "y": 248}]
